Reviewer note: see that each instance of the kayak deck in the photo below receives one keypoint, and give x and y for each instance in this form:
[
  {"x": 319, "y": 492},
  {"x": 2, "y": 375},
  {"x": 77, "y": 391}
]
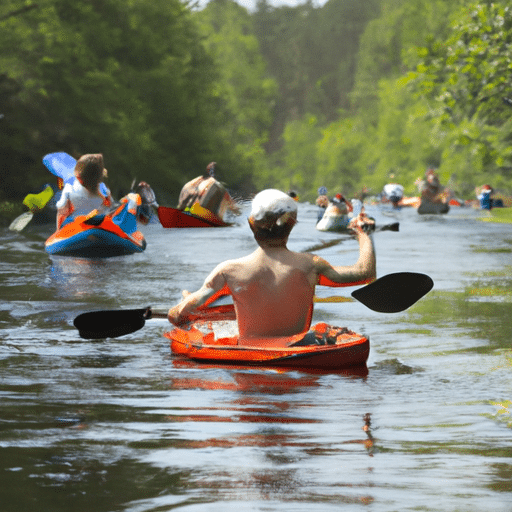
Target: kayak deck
[
  {"x": 201, "y": 343},
  {"x": 174, "y": 218},
  {"x": 94, "y": 236}
]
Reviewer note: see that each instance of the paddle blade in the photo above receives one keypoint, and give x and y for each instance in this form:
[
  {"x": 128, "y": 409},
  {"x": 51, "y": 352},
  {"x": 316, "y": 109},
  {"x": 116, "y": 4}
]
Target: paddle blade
[
  {"x": 21, "y": 222},
  {"x": 395, "y": 226},
  {"x": 61, "y": 165},
  {"x": 394, "y": 292},
  {"x": 96, "y": 325}
]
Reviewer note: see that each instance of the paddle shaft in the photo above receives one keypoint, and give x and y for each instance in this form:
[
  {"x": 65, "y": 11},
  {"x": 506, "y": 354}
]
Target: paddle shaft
[
  {"x": 395, "y": 226},
  {"x": 389, "y": 294}
]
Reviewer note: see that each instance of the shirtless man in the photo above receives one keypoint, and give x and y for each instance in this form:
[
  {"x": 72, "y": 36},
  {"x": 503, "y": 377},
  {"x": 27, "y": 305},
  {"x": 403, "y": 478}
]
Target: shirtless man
[
  {"x": 197, "y": 190},
  {"x": 273, "y": 288}
]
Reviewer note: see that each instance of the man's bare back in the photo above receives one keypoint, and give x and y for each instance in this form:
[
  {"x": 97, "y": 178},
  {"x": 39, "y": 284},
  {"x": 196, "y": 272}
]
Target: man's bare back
[{"x": 273, "y": 288}]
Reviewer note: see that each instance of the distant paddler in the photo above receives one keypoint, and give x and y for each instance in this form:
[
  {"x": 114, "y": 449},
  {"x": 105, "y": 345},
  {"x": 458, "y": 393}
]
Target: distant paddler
[
  {"x": 322, "y": 201},
  {"x": 392, "y": 193},
  {"x": 485, "y": 196},
  {"x": 208, "y": 193},
  {"x": 337, "y": 215},
  {"x": 434, "y": 197}
]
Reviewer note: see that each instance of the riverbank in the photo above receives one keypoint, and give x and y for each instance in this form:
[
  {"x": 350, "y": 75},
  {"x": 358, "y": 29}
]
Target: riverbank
[{"x": 500, "y": 215}]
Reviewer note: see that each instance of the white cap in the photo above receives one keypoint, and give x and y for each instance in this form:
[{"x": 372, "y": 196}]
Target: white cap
[{"x": 272, "y": 206}]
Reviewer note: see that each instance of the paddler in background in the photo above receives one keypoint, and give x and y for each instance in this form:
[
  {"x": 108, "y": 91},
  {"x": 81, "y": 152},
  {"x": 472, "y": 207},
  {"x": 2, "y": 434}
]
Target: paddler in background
[
  {"x": 485, "y": 195},
  {"x": 85, "y": 193},
  {"x": 431, "y": 189},
  {"x": 208, "y": 193},
  {"x": 149, "y": 205},
  {"x": 273, "y": 288},
  {"x": 392, "y": 193},
  {"x": 339, "y": 206},
  {"x": 322, "y": 201}
]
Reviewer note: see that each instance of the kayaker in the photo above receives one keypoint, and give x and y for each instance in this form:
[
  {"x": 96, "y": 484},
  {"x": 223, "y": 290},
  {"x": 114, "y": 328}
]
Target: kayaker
[
  {"x": 84, "y": 194},
  {"x": 392, "y": 193},
  {"x": 485, "y": 195},
  {"x": 322, "y": 201},
  {"x": 342, "y": 206},
  {"x": 148, "y": 202},
  {"x": 208, "y": 192},
  {"x": 431, "y": 189},
  {"x": 273, "y": 288}
]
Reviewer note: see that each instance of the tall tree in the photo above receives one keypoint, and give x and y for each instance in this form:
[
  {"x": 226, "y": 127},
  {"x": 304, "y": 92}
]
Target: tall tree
[
  {"x": 243, "y": 90},
  {"x": 124, "y": 77},
  {"x": 467, "y": 74}
]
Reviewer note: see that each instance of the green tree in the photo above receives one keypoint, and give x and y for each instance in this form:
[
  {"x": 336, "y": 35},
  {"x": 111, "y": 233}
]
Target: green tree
[
  {"x": 242, "y": 88},
  {"x": 123, "y": 77},
  {"x": 467, "y": 77}
]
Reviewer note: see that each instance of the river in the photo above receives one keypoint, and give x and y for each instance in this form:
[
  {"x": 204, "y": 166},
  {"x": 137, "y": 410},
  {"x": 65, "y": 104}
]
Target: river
[{"x": 121, "y": 425}]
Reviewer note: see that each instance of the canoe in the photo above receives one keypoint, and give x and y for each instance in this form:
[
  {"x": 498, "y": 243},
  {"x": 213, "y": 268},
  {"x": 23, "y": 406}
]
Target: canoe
[
  {"x": 196, "y": 217},
  {"x": 428, "y": 207},
  {"x": 98, "y": 236},
  {"x": 203, "y": 341}
]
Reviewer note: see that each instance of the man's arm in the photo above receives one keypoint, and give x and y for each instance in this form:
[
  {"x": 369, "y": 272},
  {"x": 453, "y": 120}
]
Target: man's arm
[
  {"x": 192, "y": 301},
  {"x": 364, "y": 270}
]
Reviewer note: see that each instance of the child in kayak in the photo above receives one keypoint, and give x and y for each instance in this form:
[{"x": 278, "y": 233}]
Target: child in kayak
[
  {"x": 273, "y": 288},
  {"x": 84, "y": 194}
]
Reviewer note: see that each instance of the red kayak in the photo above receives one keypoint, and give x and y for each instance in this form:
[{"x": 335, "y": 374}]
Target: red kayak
[
  {"x": 195, "y": 218},
  {"x": 323, "y": 347}
]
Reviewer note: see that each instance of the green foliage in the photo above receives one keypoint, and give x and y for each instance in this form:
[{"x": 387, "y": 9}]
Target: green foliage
[
  {"x": 346, "y": 95},
  {"x": 467, "y": 76},
  {"x": 128, "y": 78},
  {"x": 244, "y": 92},
  {"x": 428, "y": 92}
]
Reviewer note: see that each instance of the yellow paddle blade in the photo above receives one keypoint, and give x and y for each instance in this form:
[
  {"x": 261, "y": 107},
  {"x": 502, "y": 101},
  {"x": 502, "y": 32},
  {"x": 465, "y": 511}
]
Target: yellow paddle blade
[
  {"x": 35, "y": 202},
  {"x": 334, "y": 298}
]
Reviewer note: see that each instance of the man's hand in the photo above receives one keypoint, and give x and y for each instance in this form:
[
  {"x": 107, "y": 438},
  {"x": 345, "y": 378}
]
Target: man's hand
[{"x": 362, "y": 223}]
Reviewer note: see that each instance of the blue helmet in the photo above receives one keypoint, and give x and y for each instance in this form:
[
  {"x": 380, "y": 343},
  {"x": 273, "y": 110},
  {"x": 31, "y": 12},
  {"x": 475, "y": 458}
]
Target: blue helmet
[{"x": 322, "y": 191}]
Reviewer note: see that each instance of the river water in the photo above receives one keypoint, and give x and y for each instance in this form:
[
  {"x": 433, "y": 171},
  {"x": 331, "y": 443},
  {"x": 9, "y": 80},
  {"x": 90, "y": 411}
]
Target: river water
[{"x": 121, "y": 425}]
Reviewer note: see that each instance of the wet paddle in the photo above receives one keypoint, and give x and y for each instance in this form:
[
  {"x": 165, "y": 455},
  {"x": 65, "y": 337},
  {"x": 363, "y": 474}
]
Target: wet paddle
[
  {"x": 35, "y": 203},
  {"x": 395, "y": 226},
  {"x": 389, "y": 294},
  {"x": 21, "y": 222}
]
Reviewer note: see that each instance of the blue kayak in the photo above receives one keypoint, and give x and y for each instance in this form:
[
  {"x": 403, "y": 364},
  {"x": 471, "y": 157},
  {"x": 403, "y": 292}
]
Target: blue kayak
[{"x": 99, "y": 236}]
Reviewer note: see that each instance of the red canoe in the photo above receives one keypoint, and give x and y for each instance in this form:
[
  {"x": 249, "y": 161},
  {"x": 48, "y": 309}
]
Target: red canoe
[{"x": 174, "y": 218}]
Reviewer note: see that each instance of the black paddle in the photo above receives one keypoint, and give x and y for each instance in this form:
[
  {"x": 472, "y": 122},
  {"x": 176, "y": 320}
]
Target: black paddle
[
  {"x": 395, "y": 226},
  {"x": 389, "y": 294},
  {"x": 393, "y": 293}
]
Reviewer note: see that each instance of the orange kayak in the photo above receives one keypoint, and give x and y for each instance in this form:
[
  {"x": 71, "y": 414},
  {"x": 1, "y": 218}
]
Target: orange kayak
[{"x": 323, "y": 347}]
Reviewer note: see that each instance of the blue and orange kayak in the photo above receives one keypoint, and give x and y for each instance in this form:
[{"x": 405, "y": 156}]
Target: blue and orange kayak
[
  {"x": 99, "y": 236},
  {"x": 323, "y": 347}
]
